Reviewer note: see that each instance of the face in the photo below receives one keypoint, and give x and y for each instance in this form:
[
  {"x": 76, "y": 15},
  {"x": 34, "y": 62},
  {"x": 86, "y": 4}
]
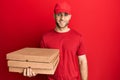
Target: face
[{"x": 62, "y": 19}]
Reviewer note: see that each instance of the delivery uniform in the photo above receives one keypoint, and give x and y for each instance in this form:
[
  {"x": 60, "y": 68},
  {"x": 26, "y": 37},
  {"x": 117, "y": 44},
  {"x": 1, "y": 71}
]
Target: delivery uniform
[{"x": 71, "y": 46}]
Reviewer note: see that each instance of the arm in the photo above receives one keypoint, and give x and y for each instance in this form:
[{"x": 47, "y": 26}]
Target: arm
[{"x": 83, "y": 67}]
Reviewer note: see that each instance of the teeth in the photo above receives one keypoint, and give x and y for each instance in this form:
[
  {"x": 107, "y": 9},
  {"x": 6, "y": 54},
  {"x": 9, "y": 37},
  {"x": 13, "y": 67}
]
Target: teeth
[{"x": 61, "y": 22}]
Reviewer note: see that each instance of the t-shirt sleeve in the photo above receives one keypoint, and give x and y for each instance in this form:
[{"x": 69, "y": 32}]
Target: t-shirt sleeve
[{"x": 81, "y": 48}]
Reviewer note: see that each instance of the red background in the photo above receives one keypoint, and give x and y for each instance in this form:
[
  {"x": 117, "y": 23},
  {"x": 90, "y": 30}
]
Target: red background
[{"x": 22, "y": 22}]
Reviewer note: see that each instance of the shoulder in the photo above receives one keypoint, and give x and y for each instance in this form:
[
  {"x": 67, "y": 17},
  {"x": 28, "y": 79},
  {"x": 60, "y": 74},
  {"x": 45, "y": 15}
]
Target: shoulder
[
  {"x": 76, "y": 33},
  {"x": 48, "y": 34}
]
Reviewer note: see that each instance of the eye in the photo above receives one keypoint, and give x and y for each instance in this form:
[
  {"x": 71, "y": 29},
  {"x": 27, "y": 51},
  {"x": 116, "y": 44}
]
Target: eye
[
  {"x": 66, "y": 14},
  {"x": 59, "y": 14}
]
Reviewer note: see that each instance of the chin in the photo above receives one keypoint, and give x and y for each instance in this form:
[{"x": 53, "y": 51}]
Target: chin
[{"x": 62, "y": 26}]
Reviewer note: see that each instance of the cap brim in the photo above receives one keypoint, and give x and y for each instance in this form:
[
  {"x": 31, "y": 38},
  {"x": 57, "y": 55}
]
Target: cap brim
[{"x": 60, "y": 11}]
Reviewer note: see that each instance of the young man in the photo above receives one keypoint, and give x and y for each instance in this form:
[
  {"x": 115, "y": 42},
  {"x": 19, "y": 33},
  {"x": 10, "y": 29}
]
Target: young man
[{"x": 73, "y": 62}]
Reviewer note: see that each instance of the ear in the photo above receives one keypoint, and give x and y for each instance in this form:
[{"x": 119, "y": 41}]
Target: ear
[{"x": 54, "y": 16}]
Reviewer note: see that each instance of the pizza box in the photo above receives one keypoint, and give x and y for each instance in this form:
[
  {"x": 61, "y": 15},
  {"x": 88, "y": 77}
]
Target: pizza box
[
  {"x": 33, "y": 54},
  {"x": 41, "y": 60},
  {"x": 36, "y": 70}
]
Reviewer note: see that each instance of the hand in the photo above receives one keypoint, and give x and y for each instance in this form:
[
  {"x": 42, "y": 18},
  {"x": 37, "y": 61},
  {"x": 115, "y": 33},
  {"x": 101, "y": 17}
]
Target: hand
[{"x": 28, "y": 72}]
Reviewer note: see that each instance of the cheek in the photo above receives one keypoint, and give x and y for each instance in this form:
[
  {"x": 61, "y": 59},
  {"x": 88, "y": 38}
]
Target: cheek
[
  {"x": 57, "y": 19},
  {"x": 67, "y": 20}
]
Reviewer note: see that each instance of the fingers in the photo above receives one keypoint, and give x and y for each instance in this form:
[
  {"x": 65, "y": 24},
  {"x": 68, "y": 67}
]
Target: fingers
[
  {"x": 24, "y": 72},
  {"x": 34, "y": 74},
  {"x": 28, "y": 72}
]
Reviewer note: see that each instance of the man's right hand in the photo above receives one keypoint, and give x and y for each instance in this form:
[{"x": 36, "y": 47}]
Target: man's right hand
[{"x": 28, "y": 72}]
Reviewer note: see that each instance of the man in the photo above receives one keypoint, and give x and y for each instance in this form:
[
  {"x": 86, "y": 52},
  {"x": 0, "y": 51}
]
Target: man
[{"x": 73, "y": 62}]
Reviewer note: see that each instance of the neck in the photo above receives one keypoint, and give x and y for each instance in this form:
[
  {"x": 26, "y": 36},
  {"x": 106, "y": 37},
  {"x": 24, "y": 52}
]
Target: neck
[{"x": 62, "y": 30}]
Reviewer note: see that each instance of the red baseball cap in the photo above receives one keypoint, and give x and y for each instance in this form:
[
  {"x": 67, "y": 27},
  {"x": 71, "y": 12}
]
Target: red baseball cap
[{"x": 62, "y": 7}]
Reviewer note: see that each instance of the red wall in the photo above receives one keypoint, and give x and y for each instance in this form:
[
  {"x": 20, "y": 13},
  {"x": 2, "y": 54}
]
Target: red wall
[{"x": 22, "y": 22}]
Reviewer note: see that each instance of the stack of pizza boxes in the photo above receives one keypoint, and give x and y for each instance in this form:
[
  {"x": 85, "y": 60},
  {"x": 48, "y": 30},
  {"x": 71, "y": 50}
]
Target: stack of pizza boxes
[{"x": 40, "y": 60}]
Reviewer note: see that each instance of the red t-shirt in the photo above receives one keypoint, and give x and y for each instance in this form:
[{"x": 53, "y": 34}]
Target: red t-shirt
[{"x": 71, "y": 46}]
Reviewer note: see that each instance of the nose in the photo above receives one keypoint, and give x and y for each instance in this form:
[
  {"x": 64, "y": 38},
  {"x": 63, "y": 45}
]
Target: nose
[{"x": 62, "y": 17}]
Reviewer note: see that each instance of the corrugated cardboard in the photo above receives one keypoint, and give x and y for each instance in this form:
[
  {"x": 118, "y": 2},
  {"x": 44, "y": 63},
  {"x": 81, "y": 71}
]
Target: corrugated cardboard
[
  {"x": 36, "y": 70},
  {"x": 40, "y": 65},
  {"x": 41, "y": 60},
  {"x": 33, "y": 54}
]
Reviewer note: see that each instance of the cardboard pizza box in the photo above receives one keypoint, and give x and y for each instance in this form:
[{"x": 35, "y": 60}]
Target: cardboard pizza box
[
  {"x": 40, "y": 65},
  {"x": 36, "y": 70},
  {"x": 41, "y": 60},
  {"x": 33, "y": 54}
]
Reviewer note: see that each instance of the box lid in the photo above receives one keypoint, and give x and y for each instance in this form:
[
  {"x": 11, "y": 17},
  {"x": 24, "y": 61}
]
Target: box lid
[
  {"x": 39, "y": 65},
  {"x": 33, "y": 54}
]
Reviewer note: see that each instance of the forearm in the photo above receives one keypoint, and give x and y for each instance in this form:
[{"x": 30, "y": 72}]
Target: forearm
[{"x": 84, "y": 70}]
